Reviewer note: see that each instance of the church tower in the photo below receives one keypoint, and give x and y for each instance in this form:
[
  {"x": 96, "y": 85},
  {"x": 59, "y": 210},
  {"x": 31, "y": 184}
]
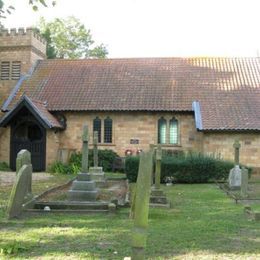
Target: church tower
[{"x": 19, "y": 50}]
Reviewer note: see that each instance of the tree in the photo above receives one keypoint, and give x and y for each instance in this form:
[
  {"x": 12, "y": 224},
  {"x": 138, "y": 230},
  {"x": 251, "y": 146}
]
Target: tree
[
  {"x": 34, "y": 3},
  {"x": 68, "y": 38}
]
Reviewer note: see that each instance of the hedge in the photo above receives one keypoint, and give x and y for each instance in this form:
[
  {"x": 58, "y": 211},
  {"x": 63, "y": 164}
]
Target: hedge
[{"x": 192, "y": 168}]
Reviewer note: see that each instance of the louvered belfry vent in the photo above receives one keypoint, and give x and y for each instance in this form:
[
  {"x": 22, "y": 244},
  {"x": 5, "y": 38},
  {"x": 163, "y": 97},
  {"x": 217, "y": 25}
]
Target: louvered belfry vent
[
  {"x": 16, "y": 70},
  {"x": 5, "y": 70}
]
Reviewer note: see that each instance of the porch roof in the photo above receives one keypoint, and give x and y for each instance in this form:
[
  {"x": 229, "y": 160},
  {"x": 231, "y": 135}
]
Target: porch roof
[{"x": 37, "y": 108}]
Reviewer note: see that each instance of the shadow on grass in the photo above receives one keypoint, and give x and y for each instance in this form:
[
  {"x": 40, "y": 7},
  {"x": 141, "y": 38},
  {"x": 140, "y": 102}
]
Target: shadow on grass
[{"x": 202, "y": 219}]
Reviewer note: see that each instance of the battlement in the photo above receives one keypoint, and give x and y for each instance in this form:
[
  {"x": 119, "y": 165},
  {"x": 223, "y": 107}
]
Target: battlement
[
  {"x": 22, "y": 32},
  {"x": 15, "y": 39}
]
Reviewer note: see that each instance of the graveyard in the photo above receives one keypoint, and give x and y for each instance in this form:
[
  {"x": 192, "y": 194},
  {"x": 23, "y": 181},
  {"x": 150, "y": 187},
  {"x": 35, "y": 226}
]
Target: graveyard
[{"x": 179, "y": 221}]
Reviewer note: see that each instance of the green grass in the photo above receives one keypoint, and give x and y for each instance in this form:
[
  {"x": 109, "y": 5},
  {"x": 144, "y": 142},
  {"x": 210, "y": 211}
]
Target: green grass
[{"x": 202, "y": 224}]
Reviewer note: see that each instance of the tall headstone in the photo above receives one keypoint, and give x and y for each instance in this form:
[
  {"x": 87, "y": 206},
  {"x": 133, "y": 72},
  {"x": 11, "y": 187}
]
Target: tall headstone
[
  {"x": 141, "y": 205},
  {"x": 22, "y": 185},
  {"x": 244, "y": 183},
  {"x": 84, "y": 162},
  {"x": 95, "y": 149},
  {"x": 83, "y": 188},
  {"x": 96, "y": 172},
  {"x": 234, "y": 177},
  {"x": 158, "y": 198},
  {"x": 158, "y": 158},
  {"x": 24, "y": 157}
]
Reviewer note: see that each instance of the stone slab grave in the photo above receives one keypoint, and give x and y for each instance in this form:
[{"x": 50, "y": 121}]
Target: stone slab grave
[
  {"x": 96, "y": 172},
  {"x": 158, "y": 198},
  {"x": 22, "y": 189},
  {"x": 82, "y": 195},
  {"x": 234, "y": 178},
  {"x": 83, "y": 188}
]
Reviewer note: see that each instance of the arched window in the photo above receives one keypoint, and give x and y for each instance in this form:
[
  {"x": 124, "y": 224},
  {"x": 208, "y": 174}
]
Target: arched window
[
  {"x": 162, "y": 131},
  {"x": 97, "y": 127},
  {"x": 173, "y": 131},
  {"x": 108, "y": 130}
]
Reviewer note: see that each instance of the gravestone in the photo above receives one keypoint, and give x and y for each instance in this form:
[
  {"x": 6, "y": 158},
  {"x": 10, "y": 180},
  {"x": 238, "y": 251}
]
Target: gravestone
[
  {"x": 19, "y": 194},
  {"x": 24, "y": 157},
  {"x": 244, "y": 183},
  {"x": 234, "y": 177},
  {"x": 83, "y": 188},
  {"x": 96, "y": 172},
  {"x": 158, "y": 198},
  {"x": 141, "y": 205}
]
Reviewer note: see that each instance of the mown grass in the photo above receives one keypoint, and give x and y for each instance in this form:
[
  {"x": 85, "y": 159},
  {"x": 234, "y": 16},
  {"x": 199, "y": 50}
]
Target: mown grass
[{"x": 202, "y": 224}]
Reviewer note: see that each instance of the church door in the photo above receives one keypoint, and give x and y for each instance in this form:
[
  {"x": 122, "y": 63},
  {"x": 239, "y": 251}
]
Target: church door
[{"x": 31, "y": 136}]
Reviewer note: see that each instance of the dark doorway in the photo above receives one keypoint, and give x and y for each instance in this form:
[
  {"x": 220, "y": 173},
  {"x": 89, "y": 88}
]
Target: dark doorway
[{"x": 30, "y": 135}]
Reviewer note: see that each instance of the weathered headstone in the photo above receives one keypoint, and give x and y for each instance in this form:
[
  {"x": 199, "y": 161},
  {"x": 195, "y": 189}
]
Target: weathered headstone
[
  {"x": 158, "y": 158},
  {"x": 96, "y": 172},
  {"x": 95, "y": 149},
  {"x": 19, "y": 191},
  {"x": 158, "y": 198},
  {"x": 24, "y": 157},
  {"x": 83, "y": 188},
  {"x": 244, "y": 183},
  {"x": 84, "y": 162},
  {"x": 234, "y": 177},
  {"x": 141, "y": 205}
]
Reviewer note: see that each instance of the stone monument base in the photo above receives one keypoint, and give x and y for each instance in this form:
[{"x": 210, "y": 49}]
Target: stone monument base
[
  {"x": 83, "y": 189},
  {"x": 234, "y": 178},
  {"x": 97, "y": 173},
  {"x": 158, "y": 198}
]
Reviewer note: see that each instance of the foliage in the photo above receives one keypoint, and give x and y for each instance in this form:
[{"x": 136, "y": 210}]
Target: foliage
[
  {"x": 34, "y": 3},
  {"x": 4, "y": 167},
  {"x": 131, "y": 167},
  {"x": 190, "y": 168},
  {"x": 68, "y": 38},
  {"x": 12, "y": 248},
  {"x": 105, "y": 158}
]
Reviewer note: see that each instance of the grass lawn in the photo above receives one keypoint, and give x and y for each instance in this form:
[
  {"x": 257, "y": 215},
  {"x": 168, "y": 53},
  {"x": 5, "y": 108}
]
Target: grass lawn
[{"x": 202, "y": 224}]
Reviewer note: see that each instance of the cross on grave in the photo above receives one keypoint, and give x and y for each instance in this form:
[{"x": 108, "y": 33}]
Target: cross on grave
[
  {"x": 84, "y": 163},
  {"x": 236, "y": 146},
  {"x": 95, "y": 148},
  {"x": 158, "y": 167}
]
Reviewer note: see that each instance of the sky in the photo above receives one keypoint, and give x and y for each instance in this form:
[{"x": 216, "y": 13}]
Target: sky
[{"x": 159, "y": 28}]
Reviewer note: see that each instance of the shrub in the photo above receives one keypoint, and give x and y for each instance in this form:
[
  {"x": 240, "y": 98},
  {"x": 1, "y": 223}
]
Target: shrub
[
  {"x": 192, "y": 168},
  {"x": 131, "y": 167},
  {"x": 4, "y": 167},
  {"x": 105, "y": 158}
]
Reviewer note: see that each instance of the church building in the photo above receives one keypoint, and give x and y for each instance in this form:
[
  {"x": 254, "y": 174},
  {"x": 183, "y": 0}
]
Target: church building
[{"x": 199, "y": 104}]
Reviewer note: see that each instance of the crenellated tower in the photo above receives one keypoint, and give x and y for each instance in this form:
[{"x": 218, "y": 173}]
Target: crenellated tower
[{"x": 19, "y": 50}]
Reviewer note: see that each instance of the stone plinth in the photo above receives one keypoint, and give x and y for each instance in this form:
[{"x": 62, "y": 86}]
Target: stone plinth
[
  {"x": 83, "y": 189},
  {"x": 158, "y": 198},
  {"x": 97, "y": 175},
  {"x": 234, "y": 178}
]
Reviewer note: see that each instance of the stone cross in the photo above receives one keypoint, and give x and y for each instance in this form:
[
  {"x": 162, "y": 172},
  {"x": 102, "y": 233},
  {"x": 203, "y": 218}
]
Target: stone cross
[
  {"x": 84, "y": 164},
  {"x": 237, "y": 146},
  {"x": 95, "y": 149},
  {"x": 141, "y": 205},
  {"x": 24, "y": 157},
  {"x": 158, "y": 167}
]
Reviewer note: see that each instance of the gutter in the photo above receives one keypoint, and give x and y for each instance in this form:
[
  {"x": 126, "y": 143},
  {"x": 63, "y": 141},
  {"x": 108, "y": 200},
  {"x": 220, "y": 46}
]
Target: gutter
[
  {"x": 17, "y": 87},
  {"x": 197, "y": 112}
]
